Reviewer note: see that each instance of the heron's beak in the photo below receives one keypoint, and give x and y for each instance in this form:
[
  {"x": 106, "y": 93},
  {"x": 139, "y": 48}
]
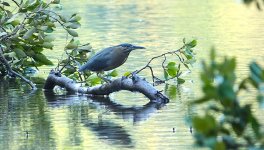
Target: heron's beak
[{"x": 138, "y": 47}]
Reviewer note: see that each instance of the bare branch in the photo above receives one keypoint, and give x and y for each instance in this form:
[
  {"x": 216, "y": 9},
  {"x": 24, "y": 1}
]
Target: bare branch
[{"x": 134, "y": 84}]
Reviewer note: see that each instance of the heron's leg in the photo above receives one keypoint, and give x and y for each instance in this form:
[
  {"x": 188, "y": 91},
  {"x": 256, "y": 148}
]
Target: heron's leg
[{"x": 104, "y": 78}]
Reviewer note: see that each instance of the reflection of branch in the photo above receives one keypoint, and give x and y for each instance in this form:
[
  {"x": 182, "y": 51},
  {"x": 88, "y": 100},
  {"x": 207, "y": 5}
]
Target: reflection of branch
[
  {"x": 136, "y": 113},
  {"x": 11, "y": 71},
  {"x": 130, "y": 84},
  {"x": 110, "y": 131}
]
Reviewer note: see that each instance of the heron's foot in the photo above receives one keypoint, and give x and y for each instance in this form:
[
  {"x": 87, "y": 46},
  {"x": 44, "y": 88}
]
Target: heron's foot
[{"x": 106, "y": 79}]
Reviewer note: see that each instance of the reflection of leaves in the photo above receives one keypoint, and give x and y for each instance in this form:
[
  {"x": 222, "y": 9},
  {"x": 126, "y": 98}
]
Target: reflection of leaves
[
  {"x": 38, "y": 80},
  {"x": 171, "y": 91},
  {"x": 180, "y": 80}
]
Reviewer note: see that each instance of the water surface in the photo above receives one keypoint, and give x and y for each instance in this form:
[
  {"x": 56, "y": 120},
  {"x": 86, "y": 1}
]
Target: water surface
[{"x": 40, "y": 120}]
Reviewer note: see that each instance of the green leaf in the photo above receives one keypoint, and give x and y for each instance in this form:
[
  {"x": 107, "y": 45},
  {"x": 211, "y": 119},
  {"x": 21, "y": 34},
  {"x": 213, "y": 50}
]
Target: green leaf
[
  {"x": 94, "y": 80},
  {"x": 219, "y": 146},
  {"x": 47, "y": 45},
  {"x": 200, "y": 100},
  {"x": 71, "y": 45},
  {"x": 49, "y": 38},
  {"x": 172, "y": 69},
  {"x": 63, "y": 18},
  {"x": 184, "y": 40},
  {"x": 73, "y": 25},
  {"x": 72, "y": 33},
  {"x": 41, "y": 36},
  {"x": 188, "y": 53},
  {"x": 29, "y": 33},
  {"x": 49, "y": 30},
  {"x": 14, "y": 17},
  {"x": 126, "y": 74},
  {"x": 42, "y": 59},
  {"x": 50, "y": 24},
  {"x": 55, "y": 1},
  {"x": 255, "y": 125},
  {"x": 113, "y": 73},
  {"x": 69, "y": 70},
  {"x": 206, "y": 125},
  {"x": 20, "y": 53},
  {"x": 44, "y": 28},
  {"x": 257, "y": 74},
  {"x": 86, "y": 48},
  {"x": 192, "y": 44},
  {"x": 75, "y": 18},
  {"x": 5, "y": 4}
]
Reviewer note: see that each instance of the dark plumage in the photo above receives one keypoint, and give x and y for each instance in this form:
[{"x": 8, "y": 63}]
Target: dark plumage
[{"x": 109, "y": 58}]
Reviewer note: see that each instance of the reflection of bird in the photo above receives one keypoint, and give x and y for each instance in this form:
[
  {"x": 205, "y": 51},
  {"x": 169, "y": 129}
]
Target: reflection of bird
[{"x": 109, "y": 58}]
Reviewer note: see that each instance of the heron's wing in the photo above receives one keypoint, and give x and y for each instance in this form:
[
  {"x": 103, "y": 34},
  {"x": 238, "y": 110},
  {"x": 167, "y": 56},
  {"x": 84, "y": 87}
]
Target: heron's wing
[{"x": 98, "y": 62}]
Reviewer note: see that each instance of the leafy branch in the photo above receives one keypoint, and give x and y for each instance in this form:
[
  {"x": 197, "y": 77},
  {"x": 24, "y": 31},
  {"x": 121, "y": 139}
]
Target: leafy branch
[
  {"x": 233, "y": 130},
  {"x": 27, "y": 30},
  {"x": 185, "y": 55}
]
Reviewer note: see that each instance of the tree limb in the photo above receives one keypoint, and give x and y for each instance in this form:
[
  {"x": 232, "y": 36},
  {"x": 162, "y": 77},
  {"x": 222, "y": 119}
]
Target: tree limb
[
  {"x": 12, "y": 72},
  {"x": 134, "y": 84}
]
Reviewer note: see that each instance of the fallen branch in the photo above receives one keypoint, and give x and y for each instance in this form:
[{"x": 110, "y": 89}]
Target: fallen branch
[
  {"x": 133, "y": 84},
  {"x": 12, "y": 72}
]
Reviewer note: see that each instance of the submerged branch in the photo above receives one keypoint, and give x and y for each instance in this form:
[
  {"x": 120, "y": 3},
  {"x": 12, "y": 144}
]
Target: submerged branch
[{"x": 134, "y": 84}]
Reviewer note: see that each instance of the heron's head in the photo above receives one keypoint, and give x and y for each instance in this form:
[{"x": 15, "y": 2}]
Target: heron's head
[{"x": 129, "y": 47}]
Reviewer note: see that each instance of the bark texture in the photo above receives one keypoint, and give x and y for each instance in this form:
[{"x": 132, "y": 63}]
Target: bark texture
[{"x": 134, "y": 84}]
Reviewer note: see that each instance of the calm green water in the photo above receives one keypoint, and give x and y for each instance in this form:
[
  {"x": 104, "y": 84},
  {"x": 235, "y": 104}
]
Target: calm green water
[{"x": 39, "y": 120}]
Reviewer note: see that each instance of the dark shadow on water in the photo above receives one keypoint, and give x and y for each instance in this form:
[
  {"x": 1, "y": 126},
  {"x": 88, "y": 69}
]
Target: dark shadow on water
[
  {"x": 105, "y": 129},
  {"x": 137, "y": 114},
  {"x": 111, "y": 132}
]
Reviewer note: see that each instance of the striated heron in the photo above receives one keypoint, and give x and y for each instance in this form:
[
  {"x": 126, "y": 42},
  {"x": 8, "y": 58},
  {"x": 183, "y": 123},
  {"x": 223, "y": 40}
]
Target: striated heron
[{"x": 109, "y": 58}]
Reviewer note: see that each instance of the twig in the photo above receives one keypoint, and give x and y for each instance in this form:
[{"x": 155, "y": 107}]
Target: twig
[
  {"x": 163, "y": 66},
  {"x": 12, "y": 72},
  {"x": 162, "y": 55}
]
